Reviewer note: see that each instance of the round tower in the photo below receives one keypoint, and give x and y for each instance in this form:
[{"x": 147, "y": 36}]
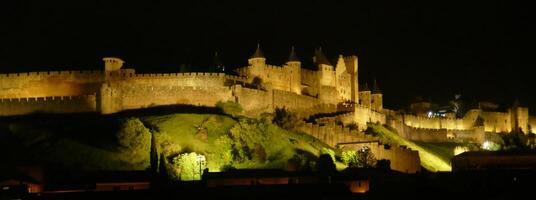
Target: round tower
[
  {"x": 327, "y": 73},
  {"x": 258, "y": 57},
  {"x": 294, "y": 65},
  {"x": 376, "y": 98},
  {"x": 364, "y": 96},
  {"x": 112, "y": 63}
]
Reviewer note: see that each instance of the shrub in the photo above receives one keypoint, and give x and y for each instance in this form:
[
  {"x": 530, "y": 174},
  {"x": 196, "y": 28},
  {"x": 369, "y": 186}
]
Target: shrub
[
  {"x": 365, "y": 158},
  {"x": 287, "y": 120},
  {"x": 362, "y": 158},
  {"x": 229, "y": 107},
  {"x": 133, "y": 134}
]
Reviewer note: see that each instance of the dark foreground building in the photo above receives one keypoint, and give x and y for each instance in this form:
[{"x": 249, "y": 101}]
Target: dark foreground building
[{"x": 490, "y": 160}]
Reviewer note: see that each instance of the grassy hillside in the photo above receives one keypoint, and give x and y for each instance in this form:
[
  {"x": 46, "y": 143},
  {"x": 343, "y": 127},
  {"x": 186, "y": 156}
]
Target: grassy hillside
[
  {"x": 223, "y": 140},
  {"x": 433, "y": 158},
  {"x": 93, "y": 142}
]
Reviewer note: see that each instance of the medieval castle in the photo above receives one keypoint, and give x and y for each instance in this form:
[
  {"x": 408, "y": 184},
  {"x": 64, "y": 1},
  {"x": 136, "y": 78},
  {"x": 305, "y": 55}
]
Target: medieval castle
[{"x": 327, "y": 88}]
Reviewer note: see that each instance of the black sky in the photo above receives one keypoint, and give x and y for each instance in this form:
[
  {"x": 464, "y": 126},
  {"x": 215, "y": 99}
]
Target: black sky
[{"x": 482, "y": 50}]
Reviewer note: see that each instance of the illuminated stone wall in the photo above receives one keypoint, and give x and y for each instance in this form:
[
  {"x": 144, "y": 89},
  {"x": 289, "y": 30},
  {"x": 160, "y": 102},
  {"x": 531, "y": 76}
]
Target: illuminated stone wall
[
  {"x": 519, "y": 118},
  {"x": 333, "y": 134},
  {"x": 55, "y": 104},
  {"x": 475, "y": 134},
  {"x": 360, "y": 116},
  {"x": 497, "y": 122},
  {"x": 532, "y": 124},
  {"x": 310, "y": 81},
  {"x": 273, "y": 77},
  {"x": 402, "y": 159},
  {"x": 51, "y": 83}
]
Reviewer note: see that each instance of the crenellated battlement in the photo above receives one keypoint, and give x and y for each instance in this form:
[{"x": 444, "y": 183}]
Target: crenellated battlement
[
  {"x": 46, "y": 99},
  {"x": 58, "y": 104},
  {"x": 55, "y": 74},
  {"x": 181, "y": 75}
]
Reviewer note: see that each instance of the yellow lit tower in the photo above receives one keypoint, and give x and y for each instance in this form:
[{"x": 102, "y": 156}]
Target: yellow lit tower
[
  {"x": 376, "y": 97},
  {"x": 294, "y": 68},
  {"x": 364, "y": 96},
  {"x": 257, "y": 64}
]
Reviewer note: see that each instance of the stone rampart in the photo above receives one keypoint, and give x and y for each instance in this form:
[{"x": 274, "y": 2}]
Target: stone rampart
[
  {"x": 57, "y": 104},
  {"x": 402, "y": 159},
  {"x": 475, "y": 134}
]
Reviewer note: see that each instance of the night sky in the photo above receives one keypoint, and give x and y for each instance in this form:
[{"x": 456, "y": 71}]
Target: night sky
[{"x": 482, "y": 50}]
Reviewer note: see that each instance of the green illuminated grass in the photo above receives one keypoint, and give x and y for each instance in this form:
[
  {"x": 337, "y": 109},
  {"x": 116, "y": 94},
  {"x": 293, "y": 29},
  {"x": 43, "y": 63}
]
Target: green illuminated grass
[
  {"x": 431, "y": 158},
  {"x": 281, "y": 146}
]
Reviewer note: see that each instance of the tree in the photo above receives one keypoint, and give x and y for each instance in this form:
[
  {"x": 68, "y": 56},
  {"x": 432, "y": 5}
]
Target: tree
[
  {"x": 189, "y": 166},
  {"x": 365, "y": 158},
  {"x": 134, "y": 141},
  {"x": 362, "y": 158},
  {"x": 349, "y": 158},
  {"x": 132, "y": 134},
  {"x": 247, "y": 134},
  {"x": 287, "y": 120}
]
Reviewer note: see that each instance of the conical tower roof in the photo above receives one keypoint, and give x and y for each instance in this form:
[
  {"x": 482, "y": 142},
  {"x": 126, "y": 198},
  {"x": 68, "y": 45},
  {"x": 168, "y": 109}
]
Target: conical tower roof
[
  {"x": 365, "y": 87},
  {"x": 293, "y": 57},
  {"x": 320, "y": 58},
  {"x": 258, "y": 53},
  {"x": 376, "y": 88}
]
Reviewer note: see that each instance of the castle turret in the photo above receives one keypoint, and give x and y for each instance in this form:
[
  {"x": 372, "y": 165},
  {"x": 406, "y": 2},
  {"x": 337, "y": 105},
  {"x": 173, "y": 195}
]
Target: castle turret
[
  {"x": 258, "y": 57},
  {"x": 519, "y": 118},
  {"x": 377, "y": 98},
  {"x": 112, "y": 64},
  {"x": 112, "y": 67},
  {"x": 327, "y": 73},
  {"x": 351, "y": 63},
  {"x": 294, "y": 65},
  {"x": 364, "y": 96}
]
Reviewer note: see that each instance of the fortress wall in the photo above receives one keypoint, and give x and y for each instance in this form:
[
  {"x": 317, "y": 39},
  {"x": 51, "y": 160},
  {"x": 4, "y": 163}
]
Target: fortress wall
[
  {"x": 436, "y": 135},
  {"x": 58, "y": 104},
  {"x": 496, "y": 122},
  {"x": 329, "y": 95},
  {"x": 333, "y": 134},
  {"x": 181, "y": 79},
  {"x": 402, "y": 159},
  {"x": 519, "y": 118},
  {"x": 236, "y": 79},
  {"x": 51, "y": 83},
  {"x": 364, "y": 115},
  {"x": 300, "y": 104},
  {"x": 434, "y": 123},
  {"x": 278, "y": 77},
  {"x": 254, "y": 102},
  {"x": 310, "y": 78},
  {"x": 135, "y": 97}
]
